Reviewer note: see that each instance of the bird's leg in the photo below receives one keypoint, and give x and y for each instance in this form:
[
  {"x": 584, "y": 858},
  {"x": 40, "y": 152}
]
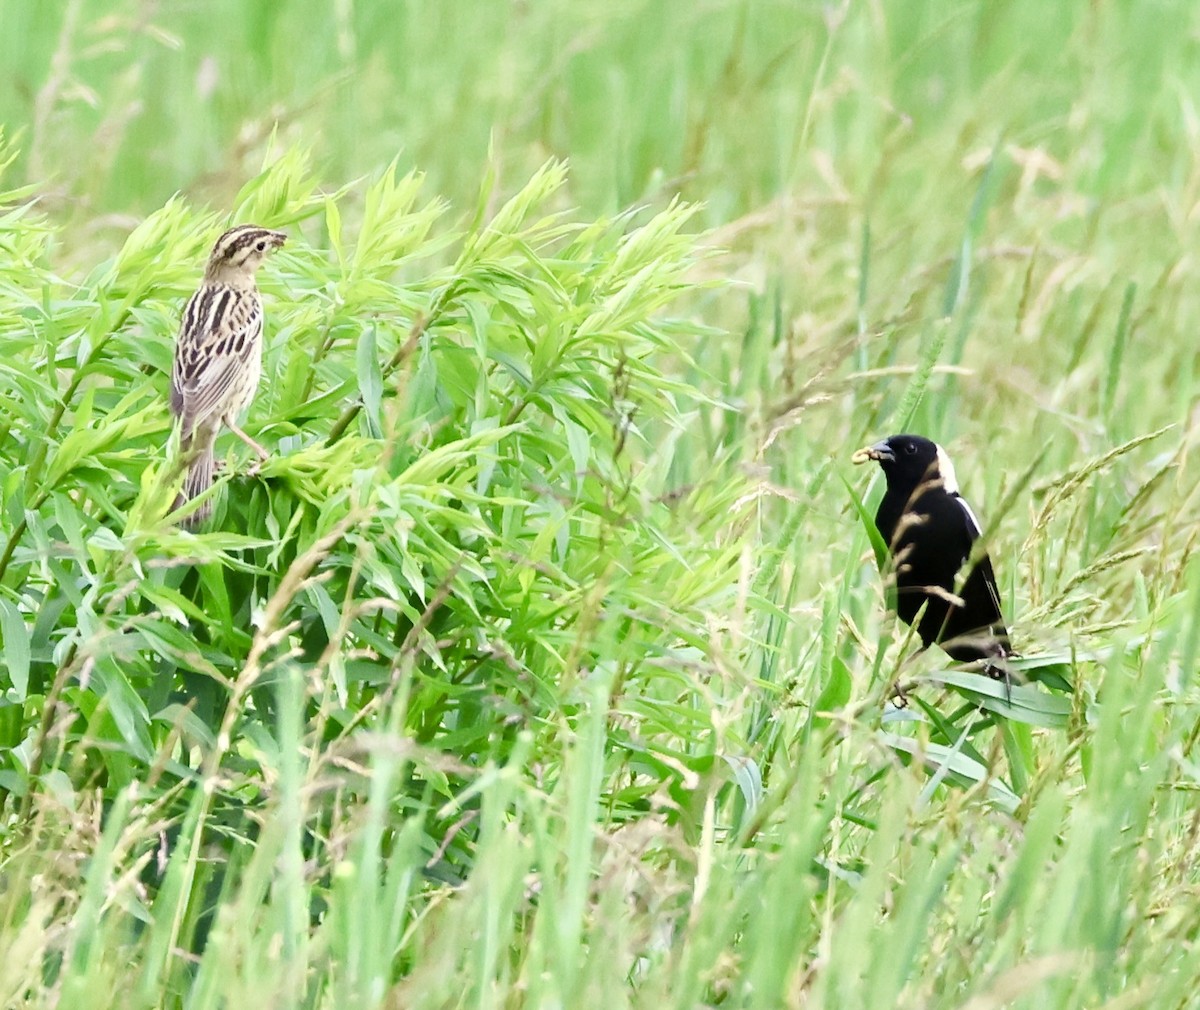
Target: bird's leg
[
  {"x": 997, "y": 669},
  {"x": 1001, "y": 673},
  {"x": 263, "y": 455}
]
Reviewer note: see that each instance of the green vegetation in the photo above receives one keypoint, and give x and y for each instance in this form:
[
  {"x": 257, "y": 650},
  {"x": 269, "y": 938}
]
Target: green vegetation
[{"x": 546, "y": 661}]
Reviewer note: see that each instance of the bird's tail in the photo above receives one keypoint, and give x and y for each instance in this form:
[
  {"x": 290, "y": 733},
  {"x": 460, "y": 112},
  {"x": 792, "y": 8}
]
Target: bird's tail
[{"x": 201, "y": 465}]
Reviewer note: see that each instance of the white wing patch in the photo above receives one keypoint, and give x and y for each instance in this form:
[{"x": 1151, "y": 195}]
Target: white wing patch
[
  {"x": 950, "y": 484},
  {"x": 973, "y": 525},
  {"x": 972, "y": 522}
]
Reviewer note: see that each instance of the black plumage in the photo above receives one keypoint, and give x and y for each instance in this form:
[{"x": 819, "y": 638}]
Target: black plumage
[{"x": 929, "y": 530}]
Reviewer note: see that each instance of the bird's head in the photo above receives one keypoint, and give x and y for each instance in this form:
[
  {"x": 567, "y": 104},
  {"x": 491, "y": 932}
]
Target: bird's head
[
  {"x": 239, "y": 253},
  {"x": 910, "y": 460}
]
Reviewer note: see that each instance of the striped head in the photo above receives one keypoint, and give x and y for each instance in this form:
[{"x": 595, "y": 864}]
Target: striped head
[{"x": 239, "y": 253}]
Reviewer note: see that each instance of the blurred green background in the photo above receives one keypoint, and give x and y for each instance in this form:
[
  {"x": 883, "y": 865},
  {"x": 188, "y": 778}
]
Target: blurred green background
[
  {"x": 123, "y": 104},
  {"x": 866, "y": 163}
]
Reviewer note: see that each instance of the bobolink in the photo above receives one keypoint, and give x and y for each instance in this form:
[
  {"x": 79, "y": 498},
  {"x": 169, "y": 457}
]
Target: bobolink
[
  {"x": 218, "y": 355},
  {"x": 929, "y": 530}
]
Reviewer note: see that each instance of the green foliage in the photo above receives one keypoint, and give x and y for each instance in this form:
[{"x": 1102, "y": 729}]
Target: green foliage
[{"x": 456, "y": 519}]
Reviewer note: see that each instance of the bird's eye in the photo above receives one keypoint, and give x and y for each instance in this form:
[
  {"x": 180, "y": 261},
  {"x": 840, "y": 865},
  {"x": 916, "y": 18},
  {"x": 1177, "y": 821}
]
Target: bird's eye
[
  {"x": 909, "y": 448},
  {"x": 261, "y": 245}
]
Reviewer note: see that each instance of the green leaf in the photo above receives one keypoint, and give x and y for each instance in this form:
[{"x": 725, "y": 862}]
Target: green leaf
[
  {"x": 958, "y": 767},
  {"x": 370, "y": 380},
  {"x": 748, "y": 776},
  {"x": 15, "y": 648},
  {"x": 1028, "y": 705}
]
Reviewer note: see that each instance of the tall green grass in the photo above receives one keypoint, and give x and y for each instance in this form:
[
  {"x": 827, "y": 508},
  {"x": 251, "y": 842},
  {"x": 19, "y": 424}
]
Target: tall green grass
[{"x": 546, "y": 663}]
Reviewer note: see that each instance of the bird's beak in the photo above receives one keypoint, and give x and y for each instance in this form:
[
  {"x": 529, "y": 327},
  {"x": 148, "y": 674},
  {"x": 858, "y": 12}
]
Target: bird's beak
[
  {"x": 880, "y": 451},
  {"x": 277, "y": 238}
]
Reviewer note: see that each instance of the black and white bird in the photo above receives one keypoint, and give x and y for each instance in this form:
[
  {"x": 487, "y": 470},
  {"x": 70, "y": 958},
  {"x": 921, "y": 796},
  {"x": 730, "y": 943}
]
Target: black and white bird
[{"x": 929, "y": 530}]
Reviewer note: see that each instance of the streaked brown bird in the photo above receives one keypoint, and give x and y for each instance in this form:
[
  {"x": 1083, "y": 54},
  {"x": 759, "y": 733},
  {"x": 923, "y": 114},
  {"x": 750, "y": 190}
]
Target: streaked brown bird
[{"x": 218, "y": 355}]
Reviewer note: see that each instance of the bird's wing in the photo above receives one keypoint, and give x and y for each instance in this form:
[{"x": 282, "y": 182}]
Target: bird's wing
[
  {"x": 984, "y": 565},
  {"x": 220, "y": 330},
  {"x": 973, "y": 527}
]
